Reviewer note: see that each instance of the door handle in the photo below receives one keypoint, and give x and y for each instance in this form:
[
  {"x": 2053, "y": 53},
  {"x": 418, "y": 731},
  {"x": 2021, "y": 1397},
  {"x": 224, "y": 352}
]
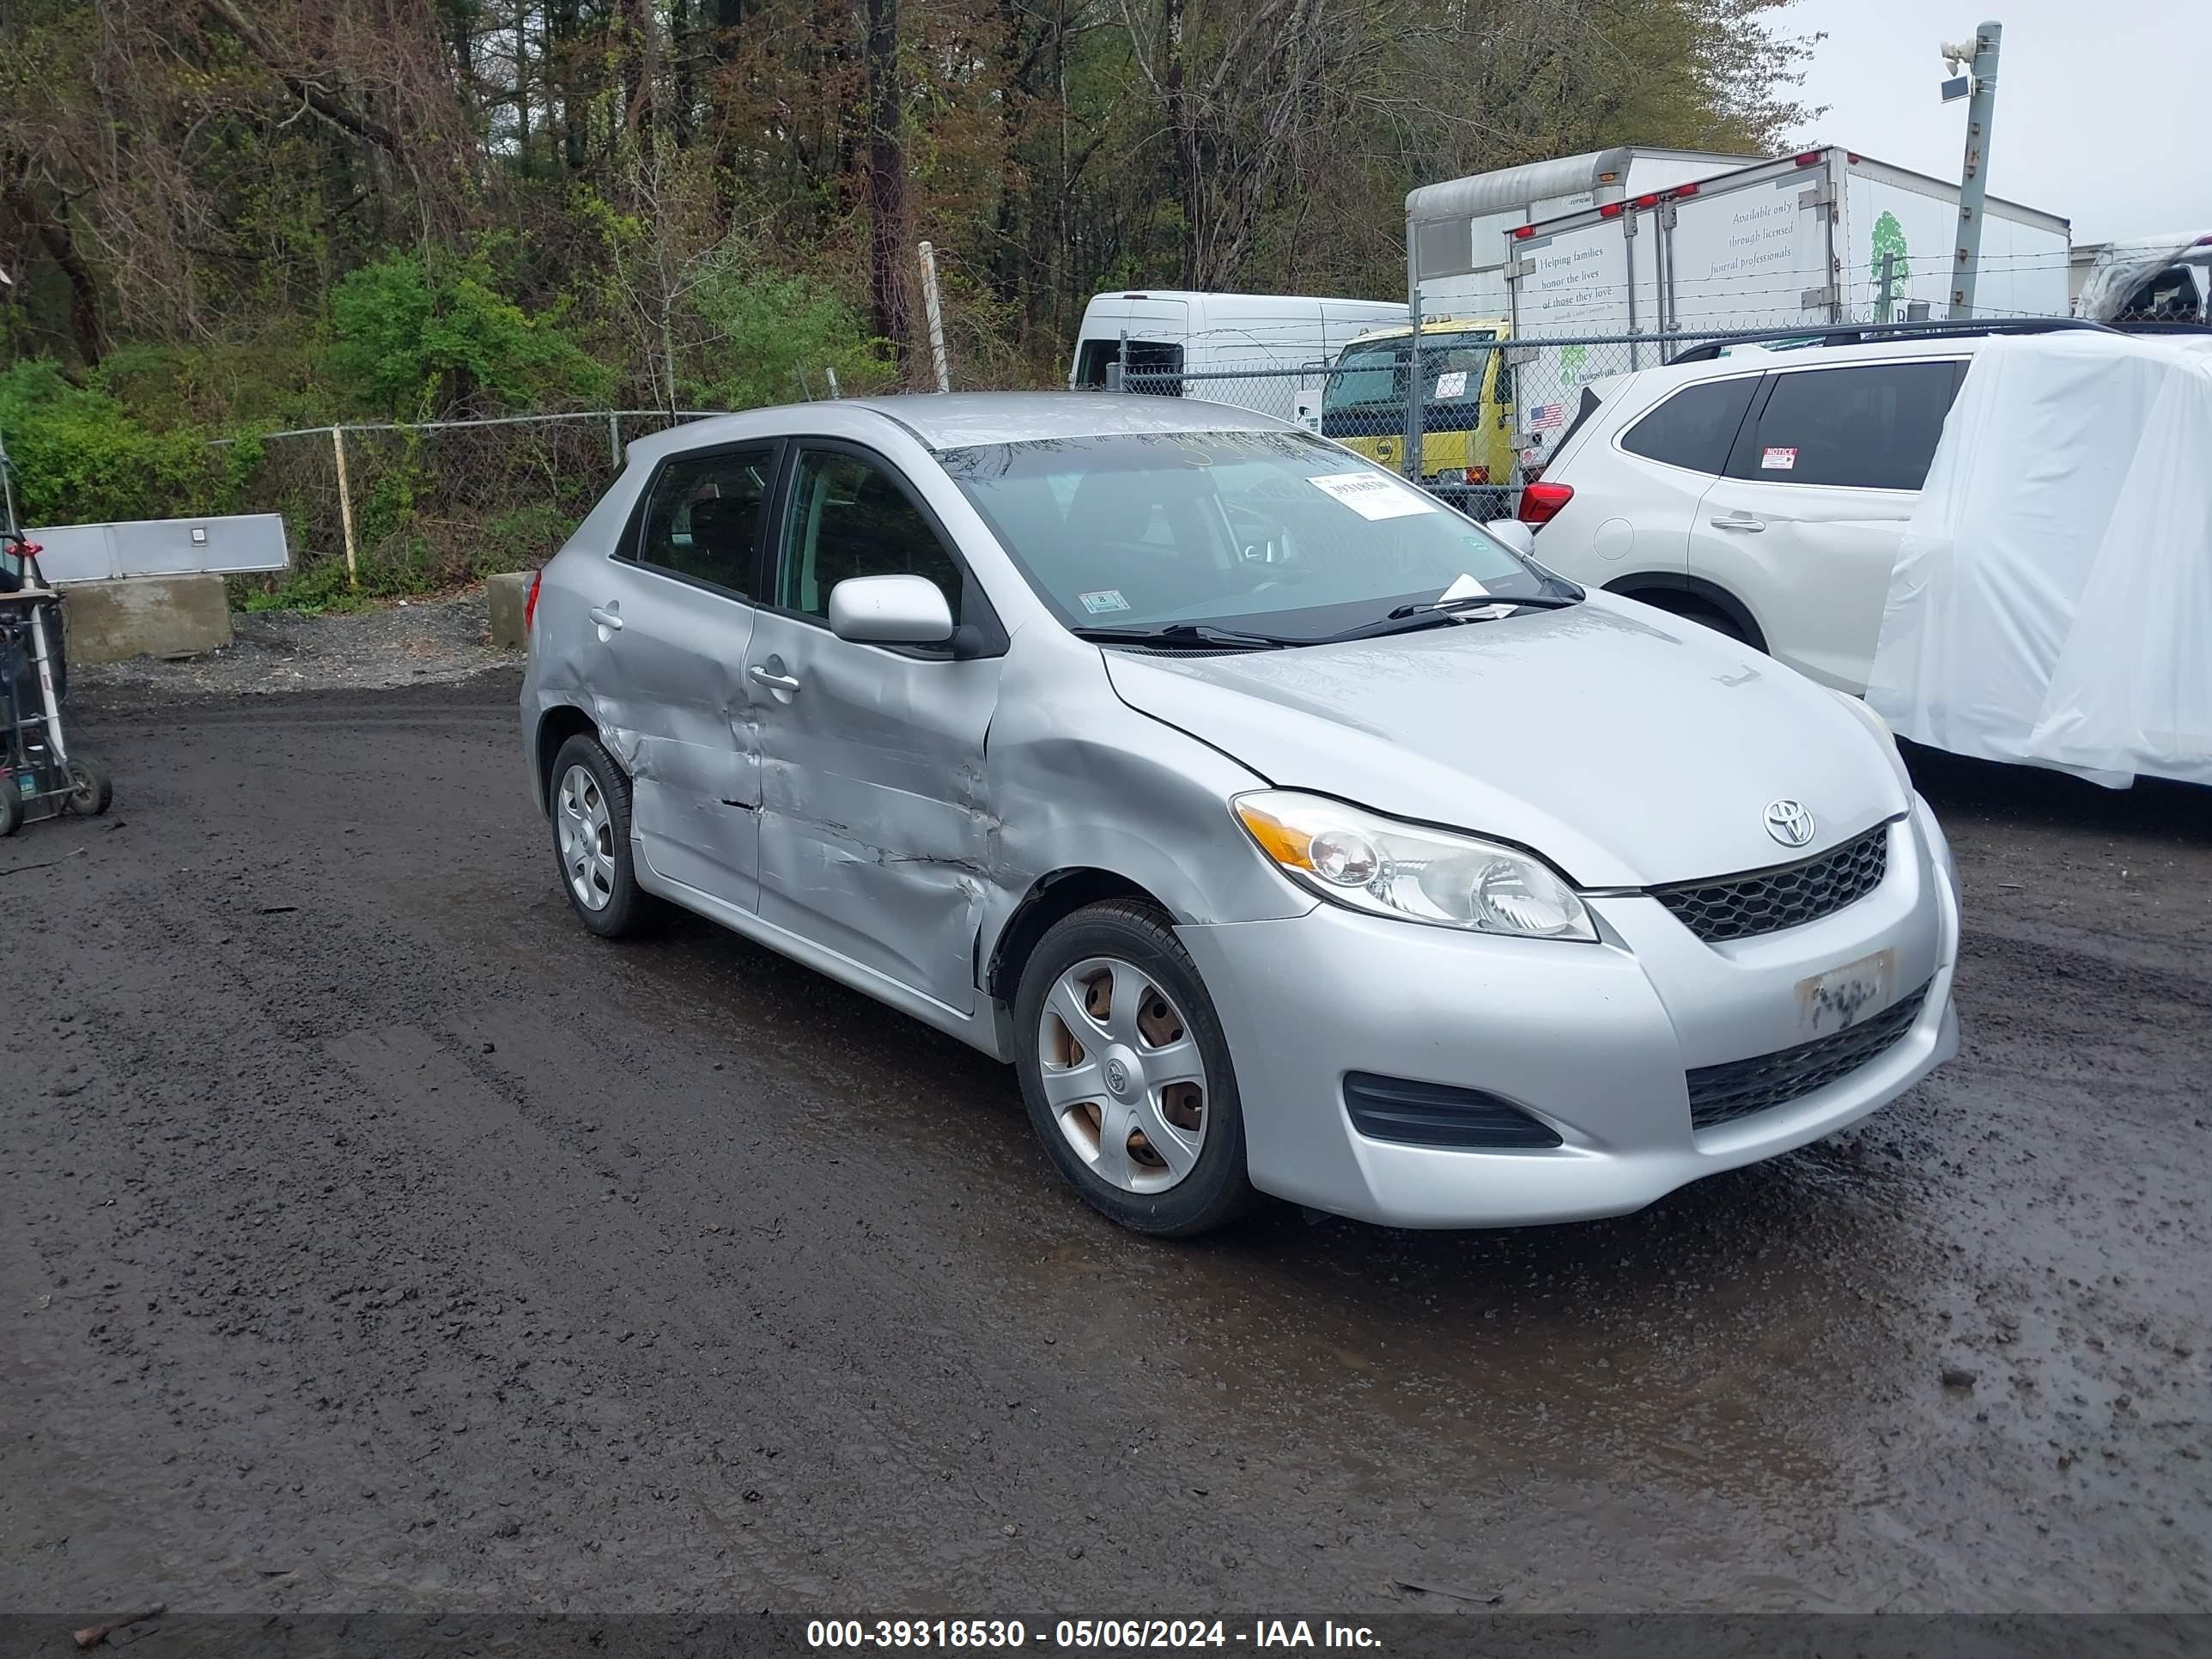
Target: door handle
[
  {"x": 780, "y": 682},
  {"x": 607, "y": 616},
  {"x": 1738, "y": 522}
]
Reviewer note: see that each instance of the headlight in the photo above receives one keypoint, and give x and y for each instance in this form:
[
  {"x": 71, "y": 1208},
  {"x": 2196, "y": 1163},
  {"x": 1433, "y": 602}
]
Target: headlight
[{"x": 1392, "y": 869}]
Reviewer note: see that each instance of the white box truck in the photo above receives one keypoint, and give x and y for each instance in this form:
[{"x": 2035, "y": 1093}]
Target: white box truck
[
  {"x": 1823, "y": 237},
  {"x": 1222, "y": 338},
  {"x": 1458, "y": 233}
]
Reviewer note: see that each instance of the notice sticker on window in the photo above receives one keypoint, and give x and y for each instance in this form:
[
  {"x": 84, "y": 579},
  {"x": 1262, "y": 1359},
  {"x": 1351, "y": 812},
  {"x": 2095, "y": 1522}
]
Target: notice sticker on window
[
  {"x": 1779, "y": 460},
  {"x": 1105, "y": 600},
  {"x": 1374, "y": 494},
  {"x": 1453, "y": 384}
]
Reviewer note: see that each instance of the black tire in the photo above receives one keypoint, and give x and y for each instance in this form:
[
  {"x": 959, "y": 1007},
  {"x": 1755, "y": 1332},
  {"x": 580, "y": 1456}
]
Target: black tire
[
  {"x": 1216, "y": 1190},
  {"x": 628, "y": 910},
  {"x": 92, "y": 792},
  {"x": 11, "y": 806}
]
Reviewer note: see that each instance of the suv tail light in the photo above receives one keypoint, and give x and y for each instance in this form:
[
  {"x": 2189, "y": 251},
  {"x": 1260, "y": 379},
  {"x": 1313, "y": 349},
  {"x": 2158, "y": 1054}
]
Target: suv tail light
[
  {"x": 1540, "y": 502},
  {"x": 530, "y": 604}
]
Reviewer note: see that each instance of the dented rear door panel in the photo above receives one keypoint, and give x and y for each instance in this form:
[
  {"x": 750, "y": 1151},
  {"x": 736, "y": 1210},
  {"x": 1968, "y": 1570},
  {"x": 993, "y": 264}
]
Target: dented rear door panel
[{"x": 667, "y": 692}]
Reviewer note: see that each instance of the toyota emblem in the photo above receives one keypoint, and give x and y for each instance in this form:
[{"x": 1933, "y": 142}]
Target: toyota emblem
[
  {"x": 1788, "y": 823},
  {"x": 1117, "y": 1077}
]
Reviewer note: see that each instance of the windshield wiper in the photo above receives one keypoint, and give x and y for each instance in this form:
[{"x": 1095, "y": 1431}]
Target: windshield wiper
[
  {"x": 1426, "y": 607},
  {"x": 1183, "y": 634},
  {"x": 1435, "y": 613}
]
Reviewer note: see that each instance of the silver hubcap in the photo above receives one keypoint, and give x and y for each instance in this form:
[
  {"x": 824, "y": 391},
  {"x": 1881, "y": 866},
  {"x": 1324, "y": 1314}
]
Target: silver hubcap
[
  {"x": 587, "y": 840},
  {"x": 1122, "y": 1075}
]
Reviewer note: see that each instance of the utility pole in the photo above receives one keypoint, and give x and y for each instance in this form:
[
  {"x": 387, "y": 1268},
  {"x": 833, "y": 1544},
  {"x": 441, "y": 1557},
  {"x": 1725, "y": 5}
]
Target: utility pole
[{"x": 1979, "y": 86}]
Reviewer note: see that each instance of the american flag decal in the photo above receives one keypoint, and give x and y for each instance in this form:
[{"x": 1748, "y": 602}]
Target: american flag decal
[{"x": 1544, "y": 417}]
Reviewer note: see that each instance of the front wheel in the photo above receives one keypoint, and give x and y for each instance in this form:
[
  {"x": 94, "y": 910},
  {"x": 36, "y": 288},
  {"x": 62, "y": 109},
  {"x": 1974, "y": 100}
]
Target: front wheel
[
  {"x": 590, "y": 840},
  {"x": 1126, "y": 1074}
]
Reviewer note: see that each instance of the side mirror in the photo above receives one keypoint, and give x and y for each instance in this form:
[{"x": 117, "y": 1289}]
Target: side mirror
[
  {"x": 1514, "y": 534},
  {"x": 889, "y": 610}
]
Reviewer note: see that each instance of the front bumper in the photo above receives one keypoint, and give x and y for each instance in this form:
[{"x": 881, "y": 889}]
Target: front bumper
[{"x": 1595, "y": 1039}]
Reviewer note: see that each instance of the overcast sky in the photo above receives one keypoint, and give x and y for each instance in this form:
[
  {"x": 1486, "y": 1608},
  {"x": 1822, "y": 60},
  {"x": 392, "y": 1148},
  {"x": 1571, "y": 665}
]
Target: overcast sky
[{"x": 2102, "y": 115}]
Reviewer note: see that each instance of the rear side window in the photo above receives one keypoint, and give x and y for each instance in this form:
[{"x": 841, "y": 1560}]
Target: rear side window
[
  {"x": 1874, "y": 428},
  {"x": 703, "y": 519},
  {"x": 1694, "y": 427}
]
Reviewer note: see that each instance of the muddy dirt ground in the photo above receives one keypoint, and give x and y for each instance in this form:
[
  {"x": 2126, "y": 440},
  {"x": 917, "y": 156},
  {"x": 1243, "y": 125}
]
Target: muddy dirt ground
[{"x": 371, "y": 1237}]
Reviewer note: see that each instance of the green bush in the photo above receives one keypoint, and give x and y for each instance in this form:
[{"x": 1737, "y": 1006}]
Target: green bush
[
  {"x": 414, "y": 341},
  {"x": 766, "y": 331},
  {"x": 81, "y": 458}
]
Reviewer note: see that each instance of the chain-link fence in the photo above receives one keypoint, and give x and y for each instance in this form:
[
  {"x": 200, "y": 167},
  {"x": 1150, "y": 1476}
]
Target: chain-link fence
[
  {"x": 1486, "y": 411},
  {"x": 391, "y": 508}
]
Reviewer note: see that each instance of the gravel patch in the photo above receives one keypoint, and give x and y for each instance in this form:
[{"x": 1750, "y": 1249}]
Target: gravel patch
[{"x": 412, "y": 642}]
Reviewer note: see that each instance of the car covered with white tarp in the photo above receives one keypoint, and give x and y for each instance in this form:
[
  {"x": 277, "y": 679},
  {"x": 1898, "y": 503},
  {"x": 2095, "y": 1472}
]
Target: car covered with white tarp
[{"x": 2051, "y": 603}]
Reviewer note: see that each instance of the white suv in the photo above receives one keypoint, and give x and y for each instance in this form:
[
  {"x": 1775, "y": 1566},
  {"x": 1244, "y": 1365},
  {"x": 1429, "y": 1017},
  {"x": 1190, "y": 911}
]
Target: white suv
[{"x": 1762, "y": 490}]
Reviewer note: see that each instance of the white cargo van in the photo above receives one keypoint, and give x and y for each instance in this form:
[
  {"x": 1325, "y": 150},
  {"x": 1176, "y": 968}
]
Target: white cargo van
[{"x": 1224, "y": 335}]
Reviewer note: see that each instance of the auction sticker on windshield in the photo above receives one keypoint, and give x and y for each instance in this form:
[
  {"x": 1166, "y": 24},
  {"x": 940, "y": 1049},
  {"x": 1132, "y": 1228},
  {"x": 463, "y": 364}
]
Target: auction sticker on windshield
[
  {"x": 1372, "y": 495},
  {"x": 1779, "y": 459},
  {"x": 1103, "y": 600}
]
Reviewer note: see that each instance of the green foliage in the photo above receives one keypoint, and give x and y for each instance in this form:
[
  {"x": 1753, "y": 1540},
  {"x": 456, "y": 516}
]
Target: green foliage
[
  {"x": 770, "y": 337},
  {"x": 522, "y": 539},
  {"x": 414, "y": 340},
  {"x": 314, "y": 588},
  {"x": 79, "y": 457},
  {"x": 266, "y": 381}
]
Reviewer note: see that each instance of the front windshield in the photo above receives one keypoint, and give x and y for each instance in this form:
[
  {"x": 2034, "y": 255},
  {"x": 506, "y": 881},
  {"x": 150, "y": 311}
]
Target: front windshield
[
  {"x": 1368, "y": 376},
  {"x": 1275, "y": 532},
  {"x": 1363, "y": 378}
]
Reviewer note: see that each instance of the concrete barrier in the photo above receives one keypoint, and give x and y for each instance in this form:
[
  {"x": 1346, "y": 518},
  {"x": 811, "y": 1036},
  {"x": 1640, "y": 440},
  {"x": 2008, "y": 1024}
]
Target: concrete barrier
[
  {"x": 146, "y": 617},
  {"x": 506, "y": 596}
]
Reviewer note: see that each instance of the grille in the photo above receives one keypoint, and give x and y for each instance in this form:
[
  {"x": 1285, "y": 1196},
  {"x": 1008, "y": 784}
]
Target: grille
[
  {"x": 1435, "y": 1114},
  {"x": 1721, "y": 1094},
  {"x": 1768, "y": 901}
]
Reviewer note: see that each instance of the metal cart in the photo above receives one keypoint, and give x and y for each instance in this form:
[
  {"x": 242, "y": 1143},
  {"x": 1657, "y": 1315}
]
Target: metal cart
[{"x": 38, "y": 779}]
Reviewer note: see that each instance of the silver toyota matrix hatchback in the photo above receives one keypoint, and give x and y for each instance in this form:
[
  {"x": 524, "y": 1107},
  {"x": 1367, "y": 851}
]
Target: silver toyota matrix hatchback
[{"x": 1286, "y": 831}]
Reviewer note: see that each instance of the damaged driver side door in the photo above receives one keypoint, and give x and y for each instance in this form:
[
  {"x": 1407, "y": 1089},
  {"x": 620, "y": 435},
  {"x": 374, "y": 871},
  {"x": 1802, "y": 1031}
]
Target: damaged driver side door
[{"x": 875, "y": 832}]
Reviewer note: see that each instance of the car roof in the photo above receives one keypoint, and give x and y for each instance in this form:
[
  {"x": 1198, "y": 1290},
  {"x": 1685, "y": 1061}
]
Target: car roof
[
  {"x": 1775, "y": 354},
  {"x": 958, "y": 420}
]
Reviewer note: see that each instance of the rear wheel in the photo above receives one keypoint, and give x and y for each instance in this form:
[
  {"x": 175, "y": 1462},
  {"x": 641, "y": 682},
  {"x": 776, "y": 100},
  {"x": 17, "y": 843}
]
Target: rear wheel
[
  {"x": 1126, "y": 1073},
  {"x": 591, "y": 840},
  {"x": 12, "y": 804}
]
